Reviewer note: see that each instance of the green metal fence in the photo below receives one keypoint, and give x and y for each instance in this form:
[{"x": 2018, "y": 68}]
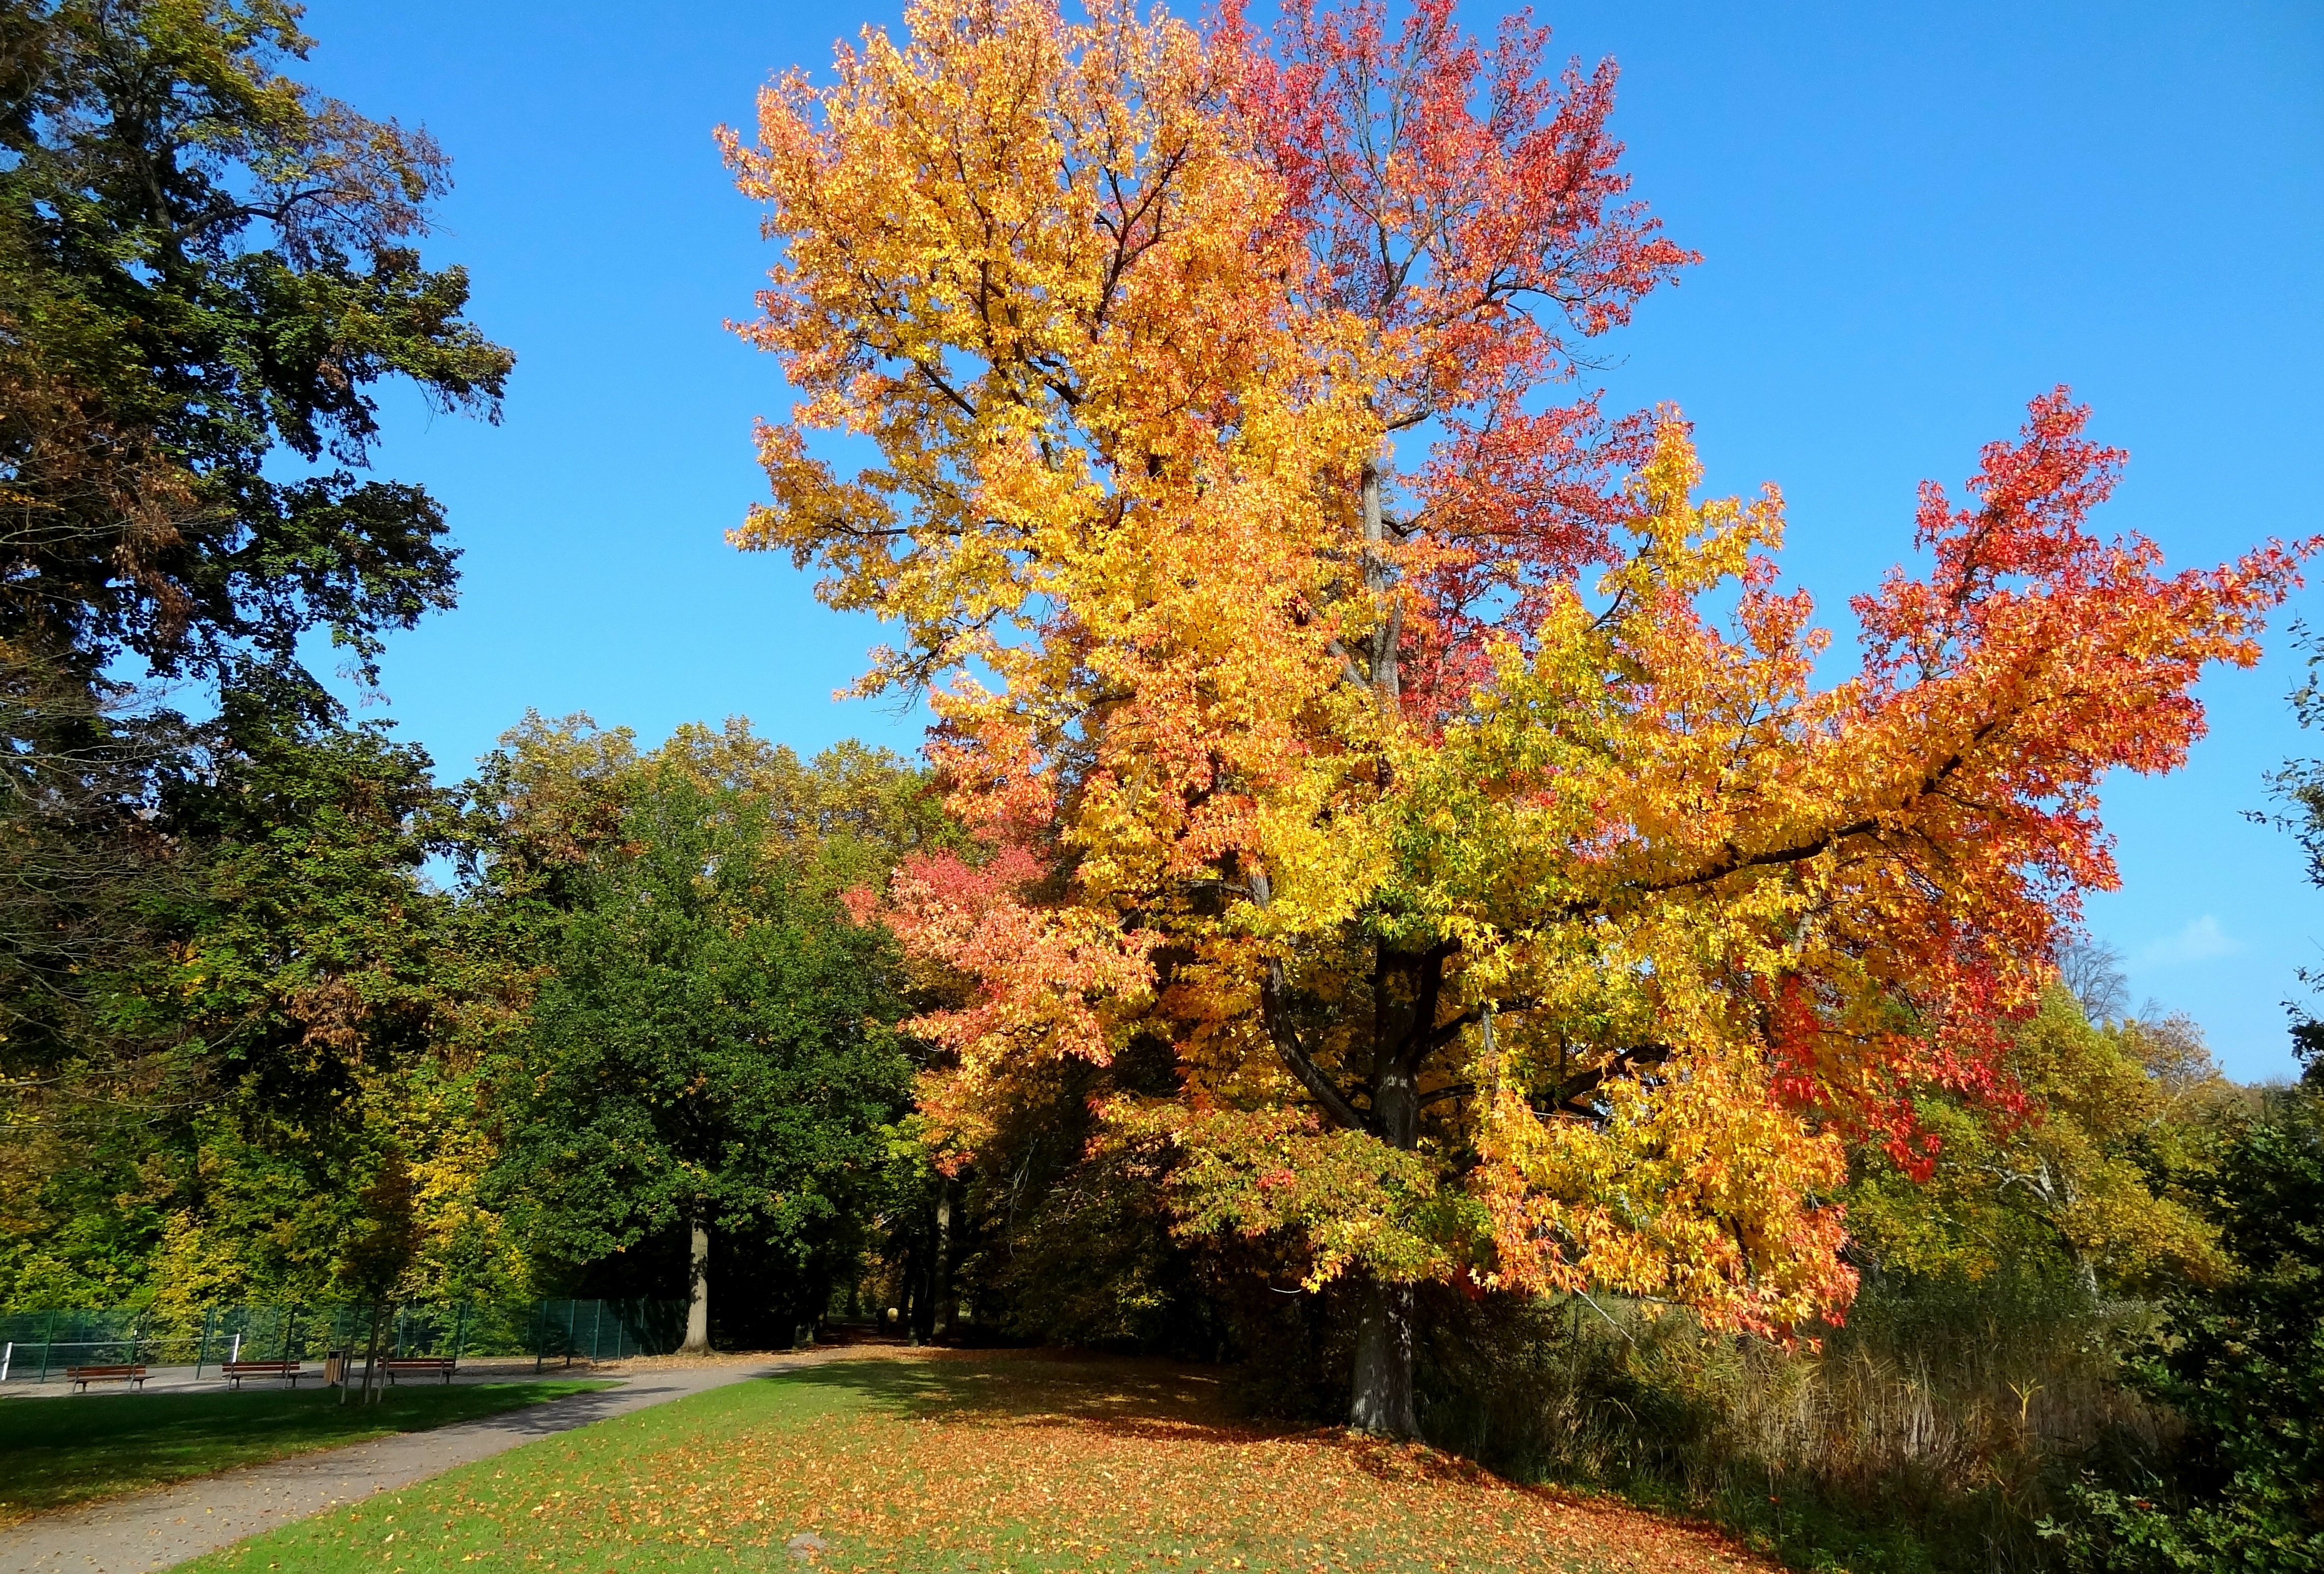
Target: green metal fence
[{"x": 37, "y": 1346}]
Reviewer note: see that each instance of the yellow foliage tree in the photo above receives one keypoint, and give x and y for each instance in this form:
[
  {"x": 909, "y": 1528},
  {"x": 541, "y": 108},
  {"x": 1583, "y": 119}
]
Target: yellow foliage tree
[{"x": 1510, "y": 917}]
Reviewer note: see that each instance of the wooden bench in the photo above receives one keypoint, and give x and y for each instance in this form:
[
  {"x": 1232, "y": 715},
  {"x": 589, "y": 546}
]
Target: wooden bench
[
  {"x": 424, "y": 1365},
  {"x": 82, "y": 1377},
  {"x": 235, "y": 1371}
]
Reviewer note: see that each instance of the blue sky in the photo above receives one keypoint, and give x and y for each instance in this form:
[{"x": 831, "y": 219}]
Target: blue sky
[{"x": 1913, "y": 219}]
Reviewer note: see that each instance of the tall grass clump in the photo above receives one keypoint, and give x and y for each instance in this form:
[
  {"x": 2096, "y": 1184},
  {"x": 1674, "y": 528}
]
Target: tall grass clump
[{"x": 1930, "y": 1433}]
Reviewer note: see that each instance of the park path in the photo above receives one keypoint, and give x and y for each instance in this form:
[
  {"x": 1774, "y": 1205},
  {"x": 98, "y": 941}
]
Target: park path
[{"x": 157, "y": 1528}]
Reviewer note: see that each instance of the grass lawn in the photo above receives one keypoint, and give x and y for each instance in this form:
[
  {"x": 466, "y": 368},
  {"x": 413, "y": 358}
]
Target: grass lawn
[
  {"x": 940, "y": 1461},
  {"x": 55, "y": 1451}
]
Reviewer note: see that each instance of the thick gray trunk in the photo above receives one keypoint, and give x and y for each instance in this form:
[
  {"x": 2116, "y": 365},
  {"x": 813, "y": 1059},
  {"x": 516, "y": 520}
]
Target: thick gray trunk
[
  {"x": 698, "y": 1289},
  {"x": 1382, "y": 1401}
]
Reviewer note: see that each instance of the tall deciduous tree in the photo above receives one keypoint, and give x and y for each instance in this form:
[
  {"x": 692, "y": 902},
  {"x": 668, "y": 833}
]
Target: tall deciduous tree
[
  {"x": 218, "y": 262},
  {"x": 1509, "y": 914},
  {"x": 710, "y": 1049},
  {"x": 207, "y": 268}
]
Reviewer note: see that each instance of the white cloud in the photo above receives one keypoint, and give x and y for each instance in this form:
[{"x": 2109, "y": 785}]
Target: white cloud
[{"x": 2202, "y": 941}]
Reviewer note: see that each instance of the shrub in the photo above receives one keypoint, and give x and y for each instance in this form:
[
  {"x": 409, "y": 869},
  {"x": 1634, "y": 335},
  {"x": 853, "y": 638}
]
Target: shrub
[{"x": 2242, "y": 1487}]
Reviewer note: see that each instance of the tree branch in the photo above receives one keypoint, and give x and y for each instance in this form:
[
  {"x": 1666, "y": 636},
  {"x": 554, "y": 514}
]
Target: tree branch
[
  {"x": 1285, "y": 1039},
  {"x": 1624, "y": 1063},
  {"x": 1276, "y": 1014}
]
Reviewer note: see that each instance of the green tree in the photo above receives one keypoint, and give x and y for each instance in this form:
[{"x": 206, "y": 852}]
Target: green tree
[
  {"x": 311, "y": 994},
  {"x": 206, "y": 269},
  {"x": 221, "y": 260},
  {"x": 2243, "y": 1364},
  {"x": 2093, "y": 1177},
  {"x": 711, "y": 1048}
]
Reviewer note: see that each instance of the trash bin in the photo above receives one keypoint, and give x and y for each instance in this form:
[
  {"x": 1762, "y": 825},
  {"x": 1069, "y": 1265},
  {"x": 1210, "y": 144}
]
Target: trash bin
[{"x": 334, "y": 1365}]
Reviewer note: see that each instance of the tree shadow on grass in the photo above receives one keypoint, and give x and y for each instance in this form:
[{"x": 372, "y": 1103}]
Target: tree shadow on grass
[
  {"x": 988, "y": 1388},
  {"x": 65, "y": 1449},
  {"x": 1124, "y": 1397}
]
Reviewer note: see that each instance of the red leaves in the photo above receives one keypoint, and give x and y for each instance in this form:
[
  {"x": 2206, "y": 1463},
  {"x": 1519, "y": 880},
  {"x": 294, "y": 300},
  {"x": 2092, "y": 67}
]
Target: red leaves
[
  {"x": 2035, "y": 492},
  {"x": 1464, "y": 209},
  {"x": 1302, "y": 762},
  {"x": 1440, "y": 225}
]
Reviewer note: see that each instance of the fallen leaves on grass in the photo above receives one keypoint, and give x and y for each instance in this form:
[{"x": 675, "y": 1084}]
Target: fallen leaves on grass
[{"x": 942, "y": 1461}]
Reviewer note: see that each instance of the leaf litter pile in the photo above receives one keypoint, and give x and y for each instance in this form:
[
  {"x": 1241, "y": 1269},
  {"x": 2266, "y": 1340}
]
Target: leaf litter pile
[{"x": 942, "y": 1461}]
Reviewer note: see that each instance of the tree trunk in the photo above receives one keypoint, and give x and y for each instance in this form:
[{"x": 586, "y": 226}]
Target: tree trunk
[
  {"x": 370, "y": 1356},
  {"x": 946, "y": 1311},
  {"x": 698, "y": 1289},
  {"x": 1387, "y": 680},
  {"x": 921, "y": 1288},
  {"x": 1382, "y": 1401}
]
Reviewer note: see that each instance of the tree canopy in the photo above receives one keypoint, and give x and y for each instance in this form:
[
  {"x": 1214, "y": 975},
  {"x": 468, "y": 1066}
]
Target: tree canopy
[
  {"x": 207, "y": 269},
  {"x": 1445, "y": 784},
  {"x": 712, "y": 1042}
]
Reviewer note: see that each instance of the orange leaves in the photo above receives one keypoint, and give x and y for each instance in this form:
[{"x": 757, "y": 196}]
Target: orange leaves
[
  {"x": 1463, "y": 211},
  {"x": 1704, "y": 1192},
  {"x": 1037, "y": 982},
  {"x": 1019, "y": 256},
  {"x": 1505, "y": 905}
]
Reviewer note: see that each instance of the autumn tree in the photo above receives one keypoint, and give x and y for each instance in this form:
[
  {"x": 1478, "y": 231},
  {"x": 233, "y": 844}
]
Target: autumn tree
[{"x": 1391, "y": 737}]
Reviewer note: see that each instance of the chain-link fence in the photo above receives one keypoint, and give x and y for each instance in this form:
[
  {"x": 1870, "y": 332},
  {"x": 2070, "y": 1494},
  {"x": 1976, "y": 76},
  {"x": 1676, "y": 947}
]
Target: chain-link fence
[{"x": 39, "y": 1346}]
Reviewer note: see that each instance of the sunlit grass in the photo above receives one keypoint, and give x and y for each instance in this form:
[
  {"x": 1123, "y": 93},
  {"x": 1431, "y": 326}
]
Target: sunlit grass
[{"x": 946, "y": 1462}]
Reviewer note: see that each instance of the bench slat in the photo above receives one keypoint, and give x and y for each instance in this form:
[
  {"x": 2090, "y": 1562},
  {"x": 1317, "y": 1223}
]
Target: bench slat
[
  {"x": 235, "y": 1371},
  {"x": 442, "y": 1365}
]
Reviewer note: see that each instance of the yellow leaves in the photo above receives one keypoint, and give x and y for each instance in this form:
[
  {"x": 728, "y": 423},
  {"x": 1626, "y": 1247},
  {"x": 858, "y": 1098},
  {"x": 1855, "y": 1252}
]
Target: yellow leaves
[
  {"x": 1703, "y": 1191},
  {"x": 1015, "y": 253},
  {"x": 1688, "y": 547},
  {"x": 1135, "y": 476}
]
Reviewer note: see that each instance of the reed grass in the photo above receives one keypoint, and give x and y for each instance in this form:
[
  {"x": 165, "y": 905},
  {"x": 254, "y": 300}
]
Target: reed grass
[{"x": 1927, "y": 1436}]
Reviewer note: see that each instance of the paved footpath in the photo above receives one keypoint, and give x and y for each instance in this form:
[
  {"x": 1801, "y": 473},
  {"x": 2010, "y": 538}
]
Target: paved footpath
[{"x": 155, "y": 1530}]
